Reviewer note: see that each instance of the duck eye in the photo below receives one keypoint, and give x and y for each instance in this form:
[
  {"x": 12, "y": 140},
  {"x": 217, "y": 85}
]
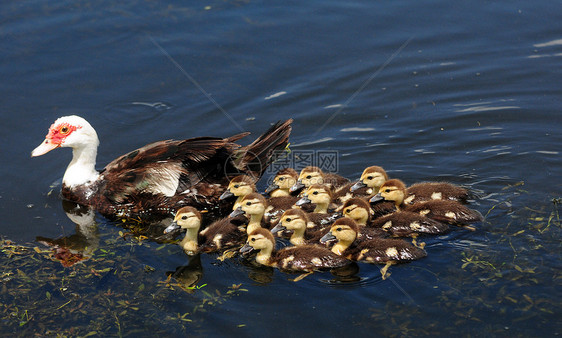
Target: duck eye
[
  {"x": 248, "y": 203},
  {"x": 237, "y": 186},
  {"x": 338, "y": 229},
  {"x": 387, "y": 190},
  {"x": 252, "y": 239},
  {"x": 370, "y": 177},
  {"x": 184, "y": 217},
  {"x": 281, "y": 178},
  {"x": 64, "y": 130},
  {"x": 347, "y": 211},
  {"x": 315, "y": 193},
  {"x": 288, "y": 219},
  {"x": 308, "y": 177}
]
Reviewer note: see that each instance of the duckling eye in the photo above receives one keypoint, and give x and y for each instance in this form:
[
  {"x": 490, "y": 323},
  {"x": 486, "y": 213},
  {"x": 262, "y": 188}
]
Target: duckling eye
[
  {"x": 184, "y": 217},
  {"x": 309, "y": 177},
  {"x": 248, "y": 203},
  {"x": 387, "y": 190},
  {"x": 315, "y": 193},
  {"x": 347, "y": 211},
  {"x": 237, "y": 186},
  {"x": 252, "y": 239},
  {"x": 281, "y": 178},
  {"x": 370, "y": 177},
  {"x": 338, "y": 229},
  {"x": 288, "y": 219}
]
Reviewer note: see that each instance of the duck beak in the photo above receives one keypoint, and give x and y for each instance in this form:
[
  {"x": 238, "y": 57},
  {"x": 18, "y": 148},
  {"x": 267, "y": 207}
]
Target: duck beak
[
  {"x": 226, "y": 194},
  {"x": 172, "y": 227},
  {"x": 377, "y": 198},
  {"x": 44, "y": 148},
  {"x": 297, "y": 186},
  {"x": 304, "y": 200},
  {"x": 237, "y": 212},
  {"x": 327, "y": 237},
  {"x": 271, "y": 188},
  {"x": 358, "y": 186},
  {"x": 246, "y": 249},
  {"x": 277, "y": 228}
]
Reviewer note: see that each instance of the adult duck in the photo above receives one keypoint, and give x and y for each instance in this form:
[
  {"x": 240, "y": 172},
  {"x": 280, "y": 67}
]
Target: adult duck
[{"x": 161, "y": 177}]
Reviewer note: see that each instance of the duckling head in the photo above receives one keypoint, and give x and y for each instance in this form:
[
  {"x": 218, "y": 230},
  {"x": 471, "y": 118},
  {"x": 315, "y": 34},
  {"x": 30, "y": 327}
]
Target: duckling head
[
  {"x": 282, "y": 183},
  {"x": 318, "y": 194},
  {"x": 186, "y": 218},
  {"x": 357, "y": 209},
  {"x": 344, "y": 230},
  {"x": 308, "y": 176},
  {"x": 292, "y": 219},
  {"x": 392, "y": 190},
  {"x": 240, "y": 185},
  {"x": 372, "y": 178},
  {"x": 261, "y": 240}
]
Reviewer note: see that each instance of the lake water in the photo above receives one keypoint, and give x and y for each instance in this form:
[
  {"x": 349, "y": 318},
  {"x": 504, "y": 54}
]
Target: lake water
[{"x": 467, "y": 92}]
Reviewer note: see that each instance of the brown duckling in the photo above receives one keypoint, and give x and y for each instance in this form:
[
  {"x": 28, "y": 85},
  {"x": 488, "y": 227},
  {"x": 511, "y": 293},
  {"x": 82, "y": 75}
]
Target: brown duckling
[
  {"x": 188, "y": 219},
  {"x": 303, "y": 258},
  {"x": 313, "y": 175},
  {"x": 377, "y": 250},
  {"x": 320, "y": 196},
  {"x": 374, "y": 177},
  {"x": 400, "y": 223},
  {"x": 282, "y": 183},
  {"x": 303, "y": 231},
  {"x": 239, "y": 187},
  {"x": 220, "y": 235},
  {"x": 253, "y": 206},
  {"x": 441, "y": 210},
  {"x": 371, "y": 180}
]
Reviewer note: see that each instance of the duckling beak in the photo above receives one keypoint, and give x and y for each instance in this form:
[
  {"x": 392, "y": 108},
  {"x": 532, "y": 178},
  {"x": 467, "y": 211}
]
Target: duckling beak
[
  {"x": 277, "y": 228},
  {"x": 357, "y": 186},
  {"x": 297, "y": 186},
  {"x": 271, "y": 188},
  {"x": 377, "y": 198},
  {"x": 327, "y": 237},
  {"x": 226, "y": 194},
  {"x": 246, "y": 249},
  {"x": 172, "y": 227},
  {"x": 304, "y": 200},
  {"x": 237, "y": 212}
]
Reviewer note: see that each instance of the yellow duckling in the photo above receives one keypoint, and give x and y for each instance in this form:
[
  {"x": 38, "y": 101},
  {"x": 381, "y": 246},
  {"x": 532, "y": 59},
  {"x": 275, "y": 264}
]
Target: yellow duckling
[
  {"x": 303, "y": 258},
  {"x": 376, "y": 250},
  {"x": 448, "y": 211},
  {"x": 370, "y": 182},
  {"x": 313, "y": 175},
  {"x": 320, "y": 196},
  {"x": 303, "y": 230},
  {"x": 253, "y": 206},
  {"x": 282, "y": 183},
  {"x": 400, "y": 223},
  {"x": 188, "y": 219},
  {"x": 239, "y": 187}
]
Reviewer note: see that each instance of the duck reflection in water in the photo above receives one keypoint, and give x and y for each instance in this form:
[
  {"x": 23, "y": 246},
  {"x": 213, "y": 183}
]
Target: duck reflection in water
[
  {"x": 187, "y": 276},
  {"x": 79, "y": 246}
]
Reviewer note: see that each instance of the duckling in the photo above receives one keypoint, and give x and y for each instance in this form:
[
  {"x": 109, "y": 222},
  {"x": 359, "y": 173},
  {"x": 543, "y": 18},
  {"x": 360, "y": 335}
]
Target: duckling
[
  {"x": 370, "y": 181},
  {"x": 282, "y": 182},
  {"x": 427, "y": 191},
  {"x": 378, "y": 250},
  {"x": 374, "y": 177},
  {"x": 189, "y": 219},
  {"x": 303, "y": 230},
  {"x": 321, "y": 196},
  {"x": 303, "y": 258},
  {"x": 240, "y": 186},
  {"x": 448, "y": 211},
  {"x": 253, "y": 206},
  {"x": 313, "y": 175},
  {"x": 221, "y": 234},
  {"x": 399, "y": 224}
]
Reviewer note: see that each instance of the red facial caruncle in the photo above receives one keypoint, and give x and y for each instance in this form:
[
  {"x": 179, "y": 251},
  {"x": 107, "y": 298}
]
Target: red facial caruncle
[{"x": 57, "y": 133}]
